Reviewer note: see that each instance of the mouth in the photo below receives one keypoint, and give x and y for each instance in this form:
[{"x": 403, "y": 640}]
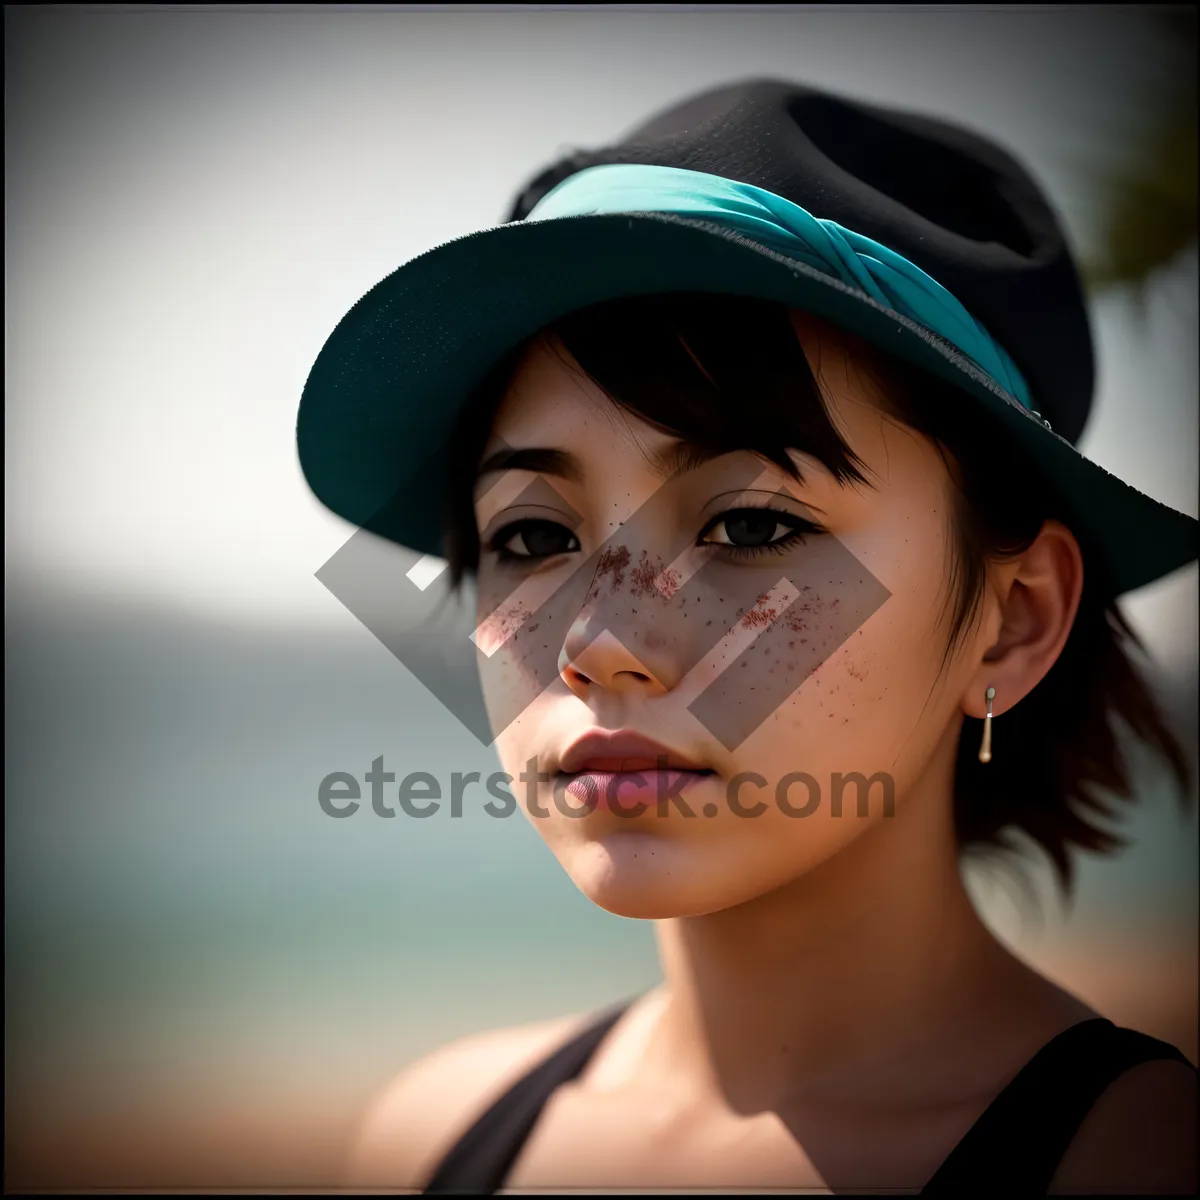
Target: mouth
[
  {"x": 622, "y": 751},
  {"x": 618, "y": 769}
]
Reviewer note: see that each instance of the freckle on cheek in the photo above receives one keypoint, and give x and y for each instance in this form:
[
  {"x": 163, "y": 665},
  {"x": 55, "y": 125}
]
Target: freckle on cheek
[
  {"x": 759, "y": 619},
  {"x": 501, "y": 625},
  {"x": 613, "y": 562},
  {"x": 651, "y": 578}
]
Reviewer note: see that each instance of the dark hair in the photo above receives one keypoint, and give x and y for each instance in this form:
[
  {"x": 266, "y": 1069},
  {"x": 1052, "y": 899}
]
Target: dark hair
[{"x": 728, "y": 372}]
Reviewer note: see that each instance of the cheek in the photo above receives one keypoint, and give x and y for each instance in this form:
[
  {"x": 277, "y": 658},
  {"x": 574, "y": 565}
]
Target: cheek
[
  {"x": 495, "y": 628},
  {"x": 851, "y": 713},
  {"x": 522, "y": 741},
  {"x": 518, "y": 636},
  {"x": 863, "y": 699}
]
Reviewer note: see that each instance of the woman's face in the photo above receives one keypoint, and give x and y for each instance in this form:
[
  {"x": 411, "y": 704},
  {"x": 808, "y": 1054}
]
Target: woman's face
[{"x": 768, "y": 636}]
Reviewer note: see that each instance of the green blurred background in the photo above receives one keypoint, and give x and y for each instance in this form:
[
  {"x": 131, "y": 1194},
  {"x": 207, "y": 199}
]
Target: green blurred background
[{"x": 206, "y": 977}]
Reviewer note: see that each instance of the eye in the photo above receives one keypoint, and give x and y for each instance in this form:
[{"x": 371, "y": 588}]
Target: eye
[
  {"x": 532, "y": 539},
  {"x": 753, "y": 529}
]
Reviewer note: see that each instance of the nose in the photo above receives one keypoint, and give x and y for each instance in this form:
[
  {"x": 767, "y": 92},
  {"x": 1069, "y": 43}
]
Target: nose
[{"x": 594, "y": 657}]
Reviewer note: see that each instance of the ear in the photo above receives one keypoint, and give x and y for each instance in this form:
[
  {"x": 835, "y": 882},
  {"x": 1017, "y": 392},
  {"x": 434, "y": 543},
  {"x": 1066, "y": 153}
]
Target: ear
[{"x": 1030, "y": 606}]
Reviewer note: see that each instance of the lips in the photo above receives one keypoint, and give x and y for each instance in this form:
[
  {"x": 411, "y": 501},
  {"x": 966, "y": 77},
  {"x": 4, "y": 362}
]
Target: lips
[{"x": 623, "y": 750}]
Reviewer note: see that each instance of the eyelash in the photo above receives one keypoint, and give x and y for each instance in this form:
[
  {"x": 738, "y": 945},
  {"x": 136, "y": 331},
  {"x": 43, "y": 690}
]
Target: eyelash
[
  {"x": 508, "y": 532},
  {"x": 800, "y": 528}
]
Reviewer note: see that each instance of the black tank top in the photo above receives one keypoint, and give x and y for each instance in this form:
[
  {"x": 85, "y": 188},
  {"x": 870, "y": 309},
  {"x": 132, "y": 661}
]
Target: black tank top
[{"x": 1013, "y": 1149}]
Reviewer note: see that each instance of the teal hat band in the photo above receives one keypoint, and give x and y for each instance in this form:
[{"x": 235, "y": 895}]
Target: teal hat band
[{"x": 885, "y": 276}]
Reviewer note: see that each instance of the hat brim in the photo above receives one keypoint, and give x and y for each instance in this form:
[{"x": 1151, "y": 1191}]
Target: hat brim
[{"x": 381, "y": 400}]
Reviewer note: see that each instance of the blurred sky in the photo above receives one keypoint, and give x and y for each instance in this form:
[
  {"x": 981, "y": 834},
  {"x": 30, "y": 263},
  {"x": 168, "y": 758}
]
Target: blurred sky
[{"x": 193, "y": 200}]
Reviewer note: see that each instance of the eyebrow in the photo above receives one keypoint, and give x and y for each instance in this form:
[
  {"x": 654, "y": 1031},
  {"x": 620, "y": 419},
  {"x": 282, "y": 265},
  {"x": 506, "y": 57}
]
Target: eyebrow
[
  {"x": 534, "y": 458},
  {"x": 679, "y": 459}
]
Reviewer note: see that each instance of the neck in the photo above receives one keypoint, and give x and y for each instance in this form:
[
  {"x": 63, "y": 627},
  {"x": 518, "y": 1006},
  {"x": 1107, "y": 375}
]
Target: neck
[{"x": 862, "y": 965}]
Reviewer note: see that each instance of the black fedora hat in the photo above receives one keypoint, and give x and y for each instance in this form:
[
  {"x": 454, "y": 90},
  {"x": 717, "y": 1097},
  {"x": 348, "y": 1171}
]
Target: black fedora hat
[{"x": 925, "y": 239}]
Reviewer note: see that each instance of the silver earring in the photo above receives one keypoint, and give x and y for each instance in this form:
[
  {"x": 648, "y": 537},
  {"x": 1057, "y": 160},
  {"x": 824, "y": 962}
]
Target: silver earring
[{"x": 985, "y": 747}]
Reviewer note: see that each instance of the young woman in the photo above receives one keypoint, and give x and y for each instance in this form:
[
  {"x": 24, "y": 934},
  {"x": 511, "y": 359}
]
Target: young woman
[{"x": 760, "y": 555}]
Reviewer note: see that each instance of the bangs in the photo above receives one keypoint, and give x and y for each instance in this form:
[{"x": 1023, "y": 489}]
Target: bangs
[{"x": 722, "y": 373}]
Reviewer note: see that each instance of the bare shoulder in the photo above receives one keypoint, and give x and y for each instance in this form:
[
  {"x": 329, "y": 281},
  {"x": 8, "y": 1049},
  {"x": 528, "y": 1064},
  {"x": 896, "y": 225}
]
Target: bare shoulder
[
  {"x": 1139, "y": 1138},
  {"x": 419, "y": 1115}
]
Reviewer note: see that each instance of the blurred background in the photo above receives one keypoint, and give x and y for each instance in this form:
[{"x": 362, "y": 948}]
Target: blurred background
[{"x": 206, "y": 977}]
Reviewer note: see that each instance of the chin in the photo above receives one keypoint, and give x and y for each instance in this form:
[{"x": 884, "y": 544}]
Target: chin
[{"x": 643, "y": 876}]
